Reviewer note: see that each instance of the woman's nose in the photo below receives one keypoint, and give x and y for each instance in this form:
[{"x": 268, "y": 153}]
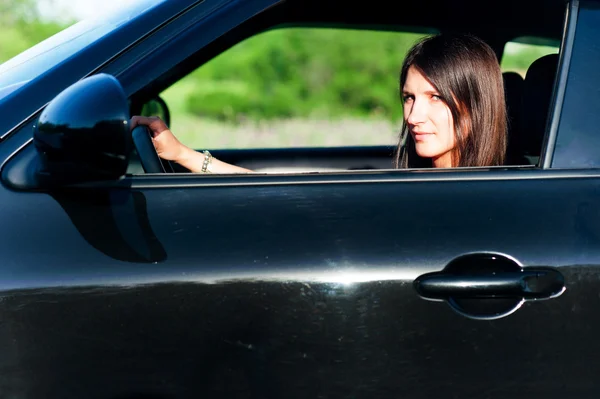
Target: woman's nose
[{"x": 417, "y": 113}]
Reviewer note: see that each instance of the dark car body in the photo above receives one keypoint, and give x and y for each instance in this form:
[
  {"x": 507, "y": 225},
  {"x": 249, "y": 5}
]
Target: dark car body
[{"x": 375, "y": 283}]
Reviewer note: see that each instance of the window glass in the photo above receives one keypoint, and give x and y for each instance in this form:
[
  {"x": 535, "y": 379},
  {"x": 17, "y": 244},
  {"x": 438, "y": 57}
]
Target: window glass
[
  {"x": 295, "y": 87},
  {"x": 17, "y": 71},
  {"x": 528, "y": 66},
  {"x": 578, "y": 140},
  {"x": 520, "y": 53}
]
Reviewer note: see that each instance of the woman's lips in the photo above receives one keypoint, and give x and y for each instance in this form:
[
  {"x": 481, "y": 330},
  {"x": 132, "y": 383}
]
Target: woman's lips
[{"x": 421, "y": 136}]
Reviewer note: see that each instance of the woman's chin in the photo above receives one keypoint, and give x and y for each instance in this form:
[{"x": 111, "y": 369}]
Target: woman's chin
[{"x": 425, "y": 152}]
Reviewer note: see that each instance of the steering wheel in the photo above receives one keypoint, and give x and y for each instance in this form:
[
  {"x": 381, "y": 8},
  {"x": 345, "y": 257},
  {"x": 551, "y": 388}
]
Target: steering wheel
[{"x": 151, "y": 162}]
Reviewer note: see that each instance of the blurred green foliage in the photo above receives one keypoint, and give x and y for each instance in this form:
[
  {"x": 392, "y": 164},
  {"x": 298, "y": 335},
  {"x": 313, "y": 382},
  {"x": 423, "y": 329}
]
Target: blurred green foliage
[
  {"x": 302, "y": 72},
  {"x": 22, "y": 27},
  {"x": 518, "y": 56}
]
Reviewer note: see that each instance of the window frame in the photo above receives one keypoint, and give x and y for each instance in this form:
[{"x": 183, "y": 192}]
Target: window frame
[
  {"x": 573, "y": 124},
  {"x": 560, "y": 85},
  {"x": 180, "y": 50},
  {"x": 162, "y": 62}
]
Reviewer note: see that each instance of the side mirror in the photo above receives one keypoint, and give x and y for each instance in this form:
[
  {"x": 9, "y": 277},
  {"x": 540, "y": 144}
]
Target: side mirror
[
  {"x": 157, "y": 107},
  {"x": 81, "y": 136}
]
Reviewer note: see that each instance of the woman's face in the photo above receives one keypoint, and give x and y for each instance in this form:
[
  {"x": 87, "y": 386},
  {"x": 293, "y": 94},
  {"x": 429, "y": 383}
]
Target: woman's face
[{"x": 429, "y": 120}]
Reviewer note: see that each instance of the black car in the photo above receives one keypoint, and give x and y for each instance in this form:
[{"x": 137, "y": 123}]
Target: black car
[{"x": 122, "y": 277}]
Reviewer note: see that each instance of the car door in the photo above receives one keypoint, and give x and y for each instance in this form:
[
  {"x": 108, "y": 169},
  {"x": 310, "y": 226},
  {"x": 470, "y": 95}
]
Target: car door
[
  {"x": 273, "y": 287},
  {"x": 308, "y": 285}
]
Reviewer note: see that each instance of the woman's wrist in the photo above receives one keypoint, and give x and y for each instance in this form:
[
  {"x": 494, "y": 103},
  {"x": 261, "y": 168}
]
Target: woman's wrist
[
  {"x": 194, "y": 161},
  {"x": 190, "y": 159},
  {"x": 182, "y": 154}
]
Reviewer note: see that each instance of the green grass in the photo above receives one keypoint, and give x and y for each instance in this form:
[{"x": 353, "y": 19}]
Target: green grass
[
  {"x": 203, "y": 132},
  {"x": 200, "y": 133}
]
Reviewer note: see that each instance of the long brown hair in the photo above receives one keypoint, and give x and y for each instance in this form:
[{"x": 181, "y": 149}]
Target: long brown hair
[{"x": 466, "y": 73}]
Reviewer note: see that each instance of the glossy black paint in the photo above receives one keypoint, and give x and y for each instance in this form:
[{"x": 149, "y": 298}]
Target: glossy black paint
[
  {"x": 463, "y": 278},
  {"x": 533, "y": 283},
  {"x": 488, "y": 286},
  {"x": 275, "y": 339},
  {"x": 310, "y": 295},
  {"x": 285, "y": 286},
  {"x": 83, "y": 134}
]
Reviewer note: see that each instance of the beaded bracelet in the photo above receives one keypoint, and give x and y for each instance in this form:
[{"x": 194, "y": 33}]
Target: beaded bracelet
[{"x": 207, "y": 162}]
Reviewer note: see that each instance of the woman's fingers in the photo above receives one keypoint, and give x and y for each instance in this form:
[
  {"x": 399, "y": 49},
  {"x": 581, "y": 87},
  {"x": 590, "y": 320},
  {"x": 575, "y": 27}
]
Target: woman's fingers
[{"x": 155, "y": 124}]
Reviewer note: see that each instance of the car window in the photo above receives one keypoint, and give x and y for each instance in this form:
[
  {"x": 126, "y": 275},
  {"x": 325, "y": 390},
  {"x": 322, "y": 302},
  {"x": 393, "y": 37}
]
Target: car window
[
  {"x": 310, "y": 87},
  {"x": 529, "y": 67},
  {"x": 42, "y": 57},
  {"x": 314, "y": 87},
  {"x": 578, "y": 141},
  {"x": 520, "y": 53},
  {"x": 295, "y": 87}
]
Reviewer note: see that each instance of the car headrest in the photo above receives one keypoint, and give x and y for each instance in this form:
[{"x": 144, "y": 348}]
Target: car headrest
[
  {"x": 537, "y": 94},
  {"x": 513, "y": 91}
]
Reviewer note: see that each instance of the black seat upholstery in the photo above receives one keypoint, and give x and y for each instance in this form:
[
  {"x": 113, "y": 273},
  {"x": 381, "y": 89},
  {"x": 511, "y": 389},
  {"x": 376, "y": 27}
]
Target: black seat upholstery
[
  {"x": 535, "y": 106},
  {"x": 513, "y": 91}
]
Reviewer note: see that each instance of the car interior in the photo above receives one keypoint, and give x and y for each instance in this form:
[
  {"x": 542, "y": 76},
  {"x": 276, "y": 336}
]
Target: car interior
[{"x": 528, "y": 98}]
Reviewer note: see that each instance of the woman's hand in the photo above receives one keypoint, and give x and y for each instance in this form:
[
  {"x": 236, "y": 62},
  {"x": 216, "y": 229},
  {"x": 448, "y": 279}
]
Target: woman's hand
[
  {"x": 166, "y": 144},
  {"x": 169, "y": 148}
]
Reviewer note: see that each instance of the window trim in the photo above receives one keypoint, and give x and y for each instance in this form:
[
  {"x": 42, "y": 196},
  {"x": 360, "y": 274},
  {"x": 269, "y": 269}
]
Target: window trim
[
  {"x": 560, "y": 85},
  {"x": 383, "y": 176}
]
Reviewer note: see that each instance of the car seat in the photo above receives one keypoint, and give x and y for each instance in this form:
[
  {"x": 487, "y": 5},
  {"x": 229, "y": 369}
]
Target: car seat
[
  {"x": 535, "y": 105},
  {"x": 513, "y": 92}
]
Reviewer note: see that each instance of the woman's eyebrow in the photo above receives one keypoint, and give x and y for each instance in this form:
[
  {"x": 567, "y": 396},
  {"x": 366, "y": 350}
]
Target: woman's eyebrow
[{"x": 427, "y": 92}]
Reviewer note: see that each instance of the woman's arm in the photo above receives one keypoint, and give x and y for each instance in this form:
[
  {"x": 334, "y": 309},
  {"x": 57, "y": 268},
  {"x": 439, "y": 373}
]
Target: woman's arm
[
  {"x": 170, "y": 148},
  {"x": 194, "y": 161}
]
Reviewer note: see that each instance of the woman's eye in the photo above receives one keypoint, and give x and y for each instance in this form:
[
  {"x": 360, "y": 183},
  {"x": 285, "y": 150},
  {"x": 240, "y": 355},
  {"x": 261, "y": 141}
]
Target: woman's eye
[
  {"x": 407, "y": 98},
  {"x": 436, "y": 98}
]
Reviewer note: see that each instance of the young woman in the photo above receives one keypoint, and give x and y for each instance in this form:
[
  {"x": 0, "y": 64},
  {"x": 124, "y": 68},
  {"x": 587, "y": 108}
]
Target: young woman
[
  {"x": 454, "y": 111},
  {"x": 454, "y": 106}
]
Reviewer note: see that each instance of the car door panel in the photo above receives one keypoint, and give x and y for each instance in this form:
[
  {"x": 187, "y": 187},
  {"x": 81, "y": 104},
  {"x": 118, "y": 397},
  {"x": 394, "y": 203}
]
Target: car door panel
[{"x": 298, "y": 289}]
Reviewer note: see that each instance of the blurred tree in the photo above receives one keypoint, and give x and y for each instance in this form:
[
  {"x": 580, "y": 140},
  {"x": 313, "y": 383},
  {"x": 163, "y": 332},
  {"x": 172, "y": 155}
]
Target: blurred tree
[
  {"x": 13, "y": 12},
  {"x": 23, "y": 27},
  {"x": 303, "y": 72}
]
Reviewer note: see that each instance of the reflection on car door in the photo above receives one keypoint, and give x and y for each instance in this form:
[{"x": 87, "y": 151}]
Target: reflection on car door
[{"x": 283, "y": 286}]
